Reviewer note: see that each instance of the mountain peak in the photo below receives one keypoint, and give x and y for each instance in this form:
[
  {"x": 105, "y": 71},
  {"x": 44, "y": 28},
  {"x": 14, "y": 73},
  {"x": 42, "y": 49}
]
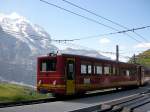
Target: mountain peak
[
  {"x": 12, "y": 16},
  {"x": 23, "y": 31}
]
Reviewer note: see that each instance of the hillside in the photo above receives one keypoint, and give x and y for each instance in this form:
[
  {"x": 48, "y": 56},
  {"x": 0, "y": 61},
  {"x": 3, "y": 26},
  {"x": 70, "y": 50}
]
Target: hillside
[
  {"x": 15, "y": 93},
  {"x": 143, "y": 58}
]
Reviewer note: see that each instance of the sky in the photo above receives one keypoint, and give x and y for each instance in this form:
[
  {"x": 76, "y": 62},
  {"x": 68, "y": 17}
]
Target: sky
[{"x": 63, "y": 25}]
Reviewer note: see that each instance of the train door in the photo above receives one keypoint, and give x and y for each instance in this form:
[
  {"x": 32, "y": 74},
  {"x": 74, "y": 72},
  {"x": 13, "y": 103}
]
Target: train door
[
  {"x": 70, "y": 73},
  {"x": 141, "y": 74}
]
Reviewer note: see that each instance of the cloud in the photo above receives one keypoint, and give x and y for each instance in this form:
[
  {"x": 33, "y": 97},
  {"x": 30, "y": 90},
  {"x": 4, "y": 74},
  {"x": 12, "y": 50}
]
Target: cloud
[
  {"x": 143, "y": 45},
  {"x": 104, "y": 41}
]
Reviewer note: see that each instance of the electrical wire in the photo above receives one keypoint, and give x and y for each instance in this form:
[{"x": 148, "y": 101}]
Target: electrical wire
[
  {"x": 87, "y": 18},
  {"x": 75, "y": 39},
  {"x": 99, "y": 51},
  {"x": 113, "y": 33},
  {"x": 36, "y": 37},
  {"x": 93, "y": 13},
  {"x": 72, "y": 44}
]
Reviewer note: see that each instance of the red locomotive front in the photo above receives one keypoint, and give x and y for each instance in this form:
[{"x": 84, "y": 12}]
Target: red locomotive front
[{"x": 50, "y": 74}]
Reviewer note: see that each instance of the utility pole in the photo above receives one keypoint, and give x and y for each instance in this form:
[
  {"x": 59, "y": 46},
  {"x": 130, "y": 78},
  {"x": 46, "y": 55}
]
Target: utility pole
[
  {"x": 117, "y": 53},
  {"x": 117, "y": 59},
  {"x": 134, "y": 59}
]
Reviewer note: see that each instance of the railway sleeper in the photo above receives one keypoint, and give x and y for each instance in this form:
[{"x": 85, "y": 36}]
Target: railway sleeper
[
  {"x": 134, "y": 103},
  {"x": 112, "y": 109},
  {"x": 131, "y": 108},
  {"x": 97, "y": 108},
  {"x": 139, "y": 105},
  {"x": 128, "y": 109},
  {"x": 116, "y": 107}
]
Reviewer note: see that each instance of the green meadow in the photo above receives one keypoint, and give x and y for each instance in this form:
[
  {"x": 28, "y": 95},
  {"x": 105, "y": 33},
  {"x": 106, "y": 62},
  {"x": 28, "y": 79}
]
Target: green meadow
[{"x": 16, "y": 93}]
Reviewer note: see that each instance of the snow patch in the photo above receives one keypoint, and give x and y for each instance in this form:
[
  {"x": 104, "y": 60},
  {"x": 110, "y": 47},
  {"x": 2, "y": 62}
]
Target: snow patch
[{"x": 83, "y": 52}]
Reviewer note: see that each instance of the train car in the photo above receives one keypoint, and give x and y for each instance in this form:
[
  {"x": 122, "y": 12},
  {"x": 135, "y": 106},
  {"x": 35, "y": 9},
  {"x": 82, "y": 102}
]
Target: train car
[
  {"x": 146, "y": 75},
  {"x": 66, "y": 74}
]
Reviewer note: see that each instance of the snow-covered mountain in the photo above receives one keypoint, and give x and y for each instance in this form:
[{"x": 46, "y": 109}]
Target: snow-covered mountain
[{"x": 20, "y": 44}]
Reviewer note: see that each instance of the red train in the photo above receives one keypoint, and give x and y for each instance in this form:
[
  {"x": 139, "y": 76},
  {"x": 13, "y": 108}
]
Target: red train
[{"x": 67, "y": 74}]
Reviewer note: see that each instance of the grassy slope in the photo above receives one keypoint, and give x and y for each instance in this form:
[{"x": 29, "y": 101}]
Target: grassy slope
[
  {"x": 143, "y": 58},
  {"x": 13, "y": 93}
]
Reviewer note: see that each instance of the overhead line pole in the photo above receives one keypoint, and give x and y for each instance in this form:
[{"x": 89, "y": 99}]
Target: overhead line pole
[
  {"x": 117, "y": 59},
  {"x": 117, "y": 53}
]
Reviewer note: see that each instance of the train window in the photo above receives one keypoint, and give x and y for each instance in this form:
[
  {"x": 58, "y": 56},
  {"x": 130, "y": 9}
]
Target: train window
[
  {"x": 43, "y": 68},
  {"x": 71, "y": 68},
  {"x": 48, "y": 65},
  {"x": 99, "y": 69},
  {"x": 114, "y": 70},
  {"x": 127, "y": 72},
  {"x": 133, "y": 71},
  {"x": 94, "y": 69},
  {"x": 83, "y": 69},
  {"x": 106, "y": 70},
  {"x": 123, "y": 71},
  {"x": 89, "y": 69}
]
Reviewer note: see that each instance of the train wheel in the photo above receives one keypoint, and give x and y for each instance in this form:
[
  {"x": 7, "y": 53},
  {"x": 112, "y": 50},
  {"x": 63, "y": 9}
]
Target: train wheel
[
  {"x": 57, "y": 95},
  {"x": 80, "y": 94},
  {"x": 118, "y": 88}
]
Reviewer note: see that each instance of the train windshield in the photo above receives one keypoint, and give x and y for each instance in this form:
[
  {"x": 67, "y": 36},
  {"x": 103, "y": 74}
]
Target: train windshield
[{"x": 48, "y": 65}]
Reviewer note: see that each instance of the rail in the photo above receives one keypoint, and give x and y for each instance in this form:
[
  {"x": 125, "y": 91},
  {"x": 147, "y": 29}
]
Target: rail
[{"x": 128, "y": 104}]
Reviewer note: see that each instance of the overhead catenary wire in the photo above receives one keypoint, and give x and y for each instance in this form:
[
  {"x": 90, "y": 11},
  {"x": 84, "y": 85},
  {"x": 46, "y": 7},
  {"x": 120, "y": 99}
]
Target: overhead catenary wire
[
  {"x": 20, "y": 34},
  {"x": 37, "y": 37},
  {"x": 113, "y": 33},
  {"x": 104, "y": 52},
  {"x": 93, "y": 13},
  {"x": 87, "y": 18},
  {"x": 99, "y": 51},
  {"x": 141, "y": 36},
  {"x": 90, "y": 19}
]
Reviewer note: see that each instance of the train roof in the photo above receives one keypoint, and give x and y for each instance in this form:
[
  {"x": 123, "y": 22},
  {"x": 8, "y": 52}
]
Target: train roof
[
  {"x": 86, "y": 57},
  {"x": 95, "y": 58}
]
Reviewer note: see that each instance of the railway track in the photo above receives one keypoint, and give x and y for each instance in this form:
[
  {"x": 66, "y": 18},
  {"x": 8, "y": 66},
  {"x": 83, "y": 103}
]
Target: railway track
[
  {"x": 136, "y": 103},
  {"x": 54, "y": 99},
  {"x": 30, "y": 102},
  {"x": 99, "y": 108}
]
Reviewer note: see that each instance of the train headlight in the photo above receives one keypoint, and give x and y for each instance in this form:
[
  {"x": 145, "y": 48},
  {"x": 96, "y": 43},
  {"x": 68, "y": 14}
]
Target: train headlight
[
  {"x": 54, "y": 82},
  {"x": 40, "y": 82}
]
